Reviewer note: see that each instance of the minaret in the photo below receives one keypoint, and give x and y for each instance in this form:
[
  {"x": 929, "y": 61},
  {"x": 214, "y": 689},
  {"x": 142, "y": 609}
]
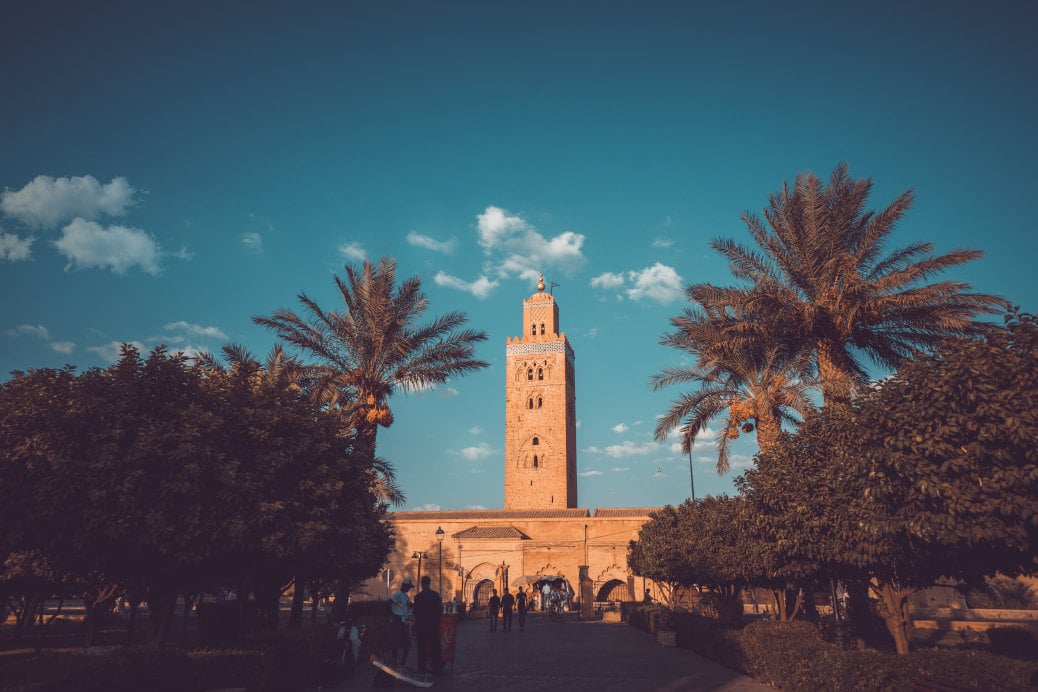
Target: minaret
[{"x": 540, "y": 411}]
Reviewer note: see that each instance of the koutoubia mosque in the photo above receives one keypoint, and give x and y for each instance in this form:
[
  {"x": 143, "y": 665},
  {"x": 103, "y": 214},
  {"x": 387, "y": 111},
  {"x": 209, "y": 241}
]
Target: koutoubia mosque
[{"x": 542, "y": 533}]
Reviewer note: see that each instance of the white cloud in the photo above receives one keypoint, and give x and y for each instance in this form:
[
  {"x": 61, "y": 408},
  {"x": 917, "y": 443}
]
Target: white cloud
[
  {"x": 480, "y": 288},
  {"x": 621, "y": 469},
  {"x": 429, "y": 507},
  {"x": 87, "y": 244},
  {"x": 524, "y": 249},
  {"x": 658, "y": 282},
  {"x": 111, "y": 351},
  {"x": 65, "y": 347},
  {"x": 480, "y": 451},
  {"x": 354, "y": 251},
  {"x": 252, "y": 241},
  {"x": 46, "y": 202},
  {"x": 663, "y": 242},
  {"x": 592, "y": 333},
  {"x": 448, "y": 392},
  {"x": 619, "y": 428},
  {"x": 474, "y": 507},
  {"x": 27, "y": 329},
  {"x": 15, "y": 249},
  {"x": 475, "y": 430},
  {"x": 424, "y": 241},
  {"x": 197, "y": 330},
  {"x": 495, "y": 225},
  {"x": 740, "y": 461},
  {"x": 585, "y": 474},
  {"x": 607, "y": 280},
  {"x": 625, "y": 449}
]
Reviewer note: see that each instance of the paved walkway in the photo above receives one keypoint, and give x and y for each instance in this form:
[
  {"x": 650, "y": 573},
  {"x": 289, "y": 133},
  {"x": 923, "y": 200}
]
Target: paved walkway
[{"x": 570, "y": 655}]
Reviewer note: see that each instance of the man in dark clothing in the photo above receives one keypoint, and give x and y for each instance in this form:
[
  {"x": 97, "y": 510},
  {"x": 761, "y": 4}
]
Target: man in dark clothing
[
  {"x": 492, "y": 606},
  {"x": 427, "y": 608},
  {"x": 520, "y": 607},
  {"x": 507, "y": 603}
]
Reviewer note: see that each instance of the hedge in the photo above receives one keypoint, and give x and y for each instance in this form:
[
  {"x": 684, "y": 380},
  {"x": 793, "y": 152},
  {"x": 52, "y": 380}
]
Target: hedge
[{"x": 794, "y": 655}]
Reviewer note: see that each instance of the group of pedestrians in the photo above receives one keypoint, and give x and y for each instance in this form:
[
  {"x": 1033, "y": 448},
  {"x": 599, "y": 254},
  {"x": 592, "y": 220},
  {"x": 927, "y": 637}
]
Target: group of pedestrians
[
  {"x": 506, "y": 604},
  {"x": 425, "y": 612}
]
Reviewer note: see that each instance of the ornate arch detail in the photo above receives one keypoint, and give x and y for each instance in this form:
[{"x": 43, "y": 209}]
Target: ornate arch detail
[
  {"x": 613, "y": 571},
  {"x": 484, "y": 570},
  {"x": 549, "y": 570}
]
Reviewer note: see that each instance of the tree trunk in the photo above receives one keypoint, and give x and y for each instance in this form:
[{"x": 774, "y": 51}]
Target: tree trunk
[
  {"x": 858, "y": 615},
  {"x": 268, "y": 601},
  {"x": 835, "y": 380},
  {"x": 768, "y": 431},
  {"x": 893, "y": 606},
  {"x": 295, "y": 617},
  {"x": 98, "y": 605},
  {"x": 46, "y": 625},
  {"x": 161, "y": 606}
]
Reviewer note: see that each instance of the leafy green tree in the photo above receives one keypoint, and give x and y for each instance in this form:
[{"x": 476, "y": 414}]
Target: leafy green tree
[
  {"x": 150, "y": 477},
  {"x": 931, "y": 475},
  {"x": 711, "y": 543},
  {"x": 737, "y": 371},
  {"x": 376, "y": 344},
  {"x": 820, "y": 273}
]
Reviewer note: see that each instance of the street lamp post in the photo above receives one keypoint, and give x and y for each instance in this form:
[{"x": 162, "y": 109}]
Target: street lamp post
[
  {"x": 418, "y": 555},
  {"x": 439, "y": 538}
]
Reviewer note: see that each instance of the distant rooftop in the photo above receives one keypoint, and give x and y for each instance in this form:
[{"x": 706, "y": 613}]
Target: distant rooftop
[
  {"x": 498, "y": 514},
  {"x": 506, "y": 514}
]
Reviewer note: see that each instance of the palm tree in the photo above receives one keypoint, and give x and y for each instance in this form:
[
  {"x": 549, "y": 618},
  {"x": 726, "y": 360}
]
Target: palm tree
[
  {"x": 821, "y": 270},
  {"x": 376, "y": 345},
  {"x": 736, "y": 371},
  {"x": 286, "y": 372}
]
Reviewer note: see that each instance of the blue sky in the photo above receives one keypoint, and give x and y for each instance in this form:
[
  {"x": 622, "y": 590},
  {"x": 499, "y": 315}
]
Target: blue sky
[{"x": 170, "y": 170}]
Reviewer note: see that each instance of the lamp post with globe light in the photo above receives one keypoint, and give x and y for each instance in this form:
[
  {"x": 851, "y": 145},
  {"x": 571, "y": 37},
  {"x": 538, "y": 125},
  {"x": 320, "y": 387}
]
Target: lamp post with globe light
[{"x": 440, "y": 533}]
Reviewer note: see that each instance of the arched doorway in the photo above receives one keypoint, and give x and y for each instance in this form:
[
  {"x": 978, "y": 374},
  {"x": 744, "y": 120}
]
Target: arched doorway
[
  {"x": 615, "y": 591},
  {"x": 481, "y": 593}
]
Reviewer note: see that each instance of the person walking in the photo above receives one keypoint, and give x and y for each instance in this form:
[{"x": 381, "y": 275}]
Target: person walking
[
  {"x": 520, "y": 608},
  {"x": 492, "y": 607},
  {"x": 427, "y": 608},
  {"x": 546, "y": 596},
  {"x": 400, "y": 605},
  {"x": 507, "y": 603}
]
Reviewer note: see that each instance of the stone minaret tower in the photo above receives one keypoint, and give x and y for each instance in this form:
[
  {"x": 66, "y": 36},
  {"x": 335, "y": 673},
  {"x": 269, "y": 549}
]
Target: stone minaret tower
[{"x": 540, "y": 411}]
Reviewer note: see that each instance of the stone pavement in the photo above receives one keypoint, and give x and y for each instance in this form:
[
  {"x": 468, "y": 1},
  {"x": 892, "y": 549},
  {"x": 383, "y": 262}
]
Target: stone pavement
[{"x": 569, "y": 655}]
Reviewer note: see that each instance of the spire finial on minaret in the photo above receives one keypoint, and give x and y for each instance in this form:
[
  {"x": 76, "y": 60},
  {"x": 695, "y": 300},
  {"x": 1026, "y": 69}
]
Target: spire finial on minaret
[{"x": 540, "y": 281}]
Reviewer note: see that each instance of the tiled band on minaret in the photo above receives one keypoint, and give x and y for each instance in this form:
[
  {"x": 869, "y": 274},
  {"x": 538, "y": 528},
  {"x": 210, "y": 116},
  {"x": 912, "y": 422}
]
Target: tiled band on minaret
[{"x": 540, "y": 411}]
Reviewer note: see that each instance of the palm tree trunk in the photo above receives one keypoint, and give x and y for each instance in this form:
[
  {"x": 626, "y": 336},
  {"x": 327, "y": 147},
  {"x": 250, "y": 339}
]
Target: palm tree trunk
[
  {"x": 768, "y": 431},
  {"x": 836, "y": 381}
]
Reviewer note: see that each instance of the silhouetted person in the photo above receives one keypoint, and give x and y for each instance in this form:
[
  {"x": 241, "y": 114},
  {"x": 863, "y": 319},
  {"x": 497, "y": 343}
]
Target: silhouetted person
[
  {"x": 507, "y": 603},
  {"x": 520, "y": 607},
  {"x": 492, "y": 606},
  {"x": 427, "y": 608},
  {"x": 400, "y": 603}
]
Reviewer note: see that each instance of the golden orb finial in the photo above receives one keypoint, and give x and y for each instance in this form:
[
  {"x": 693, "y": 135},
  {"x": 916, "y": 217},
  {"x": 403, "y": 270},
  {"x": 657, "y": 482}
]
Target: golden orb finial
[{"x": 540, "y": 281}]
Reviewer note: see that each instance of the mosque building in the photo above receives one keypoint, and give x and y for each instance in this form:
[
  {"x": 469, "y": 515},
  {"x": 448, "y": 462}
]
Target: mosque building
[{"x": 541, "y": 535}]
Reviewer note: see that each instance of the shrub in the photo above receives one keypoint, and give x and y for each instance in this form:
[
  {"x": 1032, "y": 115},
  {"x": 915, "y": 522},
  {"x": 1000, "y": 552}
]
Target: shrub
[
  {"x": 715, "y": 640},
  {"x": 1013, "y": 641}
]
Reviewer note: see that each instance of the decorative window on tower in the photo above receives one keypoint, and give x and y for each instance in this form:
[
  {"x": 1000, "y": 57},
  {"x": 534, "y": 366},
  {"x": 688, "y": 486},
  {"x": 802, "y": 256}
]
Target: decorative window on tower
[
  {"x": 529, "y": 374},
  {"x": 542, "y": 328},
  {"x": 539, "y": 402},
  {"x": 533, "y": 330},
  {"x": 540, "y": 373},
  {"x": 530, "y": 403},
  {"x": 535, "y": 461},
  {"x": 536, "y": 440}
]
